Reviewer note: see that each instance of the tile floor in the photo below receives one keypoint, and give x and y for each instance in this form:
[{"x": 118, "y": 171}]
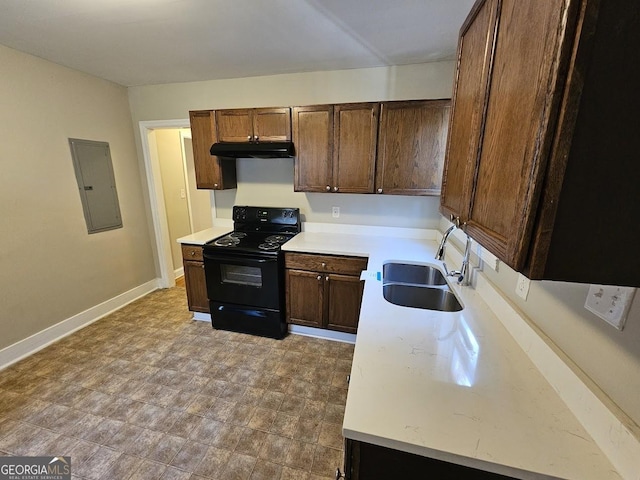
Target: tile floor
[{"x": 146, "y": 393}]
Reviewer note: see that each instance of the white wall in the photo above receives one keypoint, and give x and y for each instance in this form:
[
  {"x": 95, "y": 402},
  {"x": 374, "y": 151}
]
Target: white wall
[
  {"x": 51, "y": 268},
  {"x": 269, "y": 182}
]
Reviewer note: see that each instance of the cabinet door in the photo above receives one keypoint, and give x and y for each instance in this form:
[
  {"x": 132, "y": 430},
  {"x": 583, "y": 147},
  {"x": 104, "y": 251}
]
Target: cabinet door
[
  {"x": 305, "y": 298},
  {"x": 524, "y": 95},
  {"x": 196, "y": 286},
  {"x": 474, "y": 56},
  {"x": 313, "y": 140},
  {"x": 344, "y": 297},
  {"x": 411, "y": 147},
  {"x": 354, "y": 147},
  {"x": 234, "y": 125},
  {"x": 272, "y": 124},
  {"x": 211, "y": 172}
]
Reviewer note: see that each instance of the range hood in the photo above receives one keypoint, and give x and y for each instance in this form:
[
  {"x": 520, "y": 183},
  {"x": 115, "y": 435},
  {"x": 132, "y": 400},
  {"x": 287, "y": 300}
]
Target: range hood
[{"x": 253, "y": 149}]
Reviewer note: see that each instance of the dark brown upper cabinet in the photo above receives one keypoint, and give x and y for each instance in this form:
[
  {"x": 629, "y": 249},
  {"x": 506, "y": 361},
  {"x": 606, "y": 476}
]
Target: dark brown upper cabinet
[
  {"x": 411, "y": 147},
  {"x": 393, "y": 147},
  {"x": 542, "y": 158},
  {"x": 211, "y": 172},
  {"x": 335, "y": 147},
  {"x": 254, "y": 125}
]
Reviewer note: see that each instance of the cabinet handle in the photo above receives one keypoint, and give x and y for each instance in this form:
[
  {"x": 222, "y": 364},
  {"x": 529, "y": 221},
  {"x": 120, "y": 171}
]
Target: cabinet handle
[
  {"x": 328, "y": 188},
  {"x": 335, "y": 189},
  {"x": 319, "y": 277},
  {"x": 379, "y": 190},
  {"x": 339, "y": 474}
]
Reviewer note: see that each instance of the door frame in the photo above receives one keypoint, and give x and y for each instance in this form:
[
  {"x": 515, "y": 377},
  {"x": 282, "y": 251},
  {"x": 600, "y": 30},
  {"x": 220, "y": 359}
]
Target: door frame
[{"x": 162, "y": 254}]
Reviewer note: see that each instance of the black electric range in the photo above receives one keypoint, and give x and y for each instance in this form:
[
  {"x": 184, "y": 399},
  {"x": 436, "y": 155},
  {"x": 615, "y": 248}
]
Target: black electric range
[{"x": 244, "y": 271}]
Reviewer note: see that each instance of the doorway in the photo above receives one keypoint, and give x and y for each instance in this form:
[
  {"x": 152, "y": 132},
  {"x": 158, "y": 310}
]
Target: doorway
[{"x": 178, "y": 208}]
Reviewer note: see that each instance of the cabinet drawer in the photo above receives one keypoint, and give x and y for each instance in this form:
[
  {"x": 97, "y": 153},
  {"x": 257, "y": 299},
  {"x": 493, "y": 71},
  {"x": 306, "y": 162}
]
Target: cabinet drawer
[
  {"x": 192, "y": 252},
  {"x": 326, "y": 263}
]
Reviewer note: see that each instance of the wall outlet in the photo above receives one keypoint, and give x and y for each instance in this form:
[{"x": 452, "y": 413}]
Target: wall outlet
[
  {"x": 522, "y": 286},
  {"x": 335, "y": 212},
  {"x": 610, "y": 303}
]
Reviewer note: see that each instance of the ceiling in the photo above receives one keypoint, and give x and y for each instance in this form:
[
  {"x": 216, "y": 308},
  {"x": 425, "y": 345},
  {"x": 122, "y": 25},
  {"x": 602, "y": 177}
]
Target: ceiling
[{"x": 143, "y": 42}]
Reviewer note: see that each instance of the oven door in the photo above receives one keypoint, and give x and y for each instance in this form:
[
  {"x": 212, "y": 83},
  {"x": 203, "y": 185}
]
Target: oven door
[{"x": 249, "y": 280}]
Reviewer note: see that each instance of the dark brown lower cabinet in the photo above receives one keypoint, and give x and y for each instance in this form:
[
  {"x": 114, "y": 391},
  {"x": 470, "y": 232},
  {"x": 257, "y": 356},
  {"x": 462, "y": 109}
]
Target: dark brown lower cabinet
[
  {"x": 194, "y": 279},
  {"x": 364, "y": 461},
  {"x": 324, "y": 291}
]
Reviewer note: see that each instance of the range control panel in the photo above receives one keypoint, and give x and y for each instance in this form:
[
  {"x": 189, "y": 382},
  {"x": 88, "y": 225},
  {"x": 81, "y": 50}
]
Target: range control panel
[{"x": 266, "y": 215}]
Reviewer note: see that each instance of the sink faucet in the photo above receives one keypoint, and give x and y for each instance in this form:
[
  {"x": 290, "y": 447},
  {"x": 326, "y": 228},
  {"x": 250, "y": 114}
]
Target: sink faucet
[
  {"x": 463, "y": 273},
  {"x": 445, "y": 237}
]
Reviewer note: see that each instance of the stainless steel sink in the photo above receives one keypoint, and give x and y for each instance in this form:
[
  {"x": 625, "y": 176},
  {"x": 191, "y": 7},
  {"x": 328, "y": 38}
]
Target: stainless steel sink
[
  {"x": 441, "y": 299},
  {"x": 412, "y": 274},
  {"x": 418, "y": 286}
]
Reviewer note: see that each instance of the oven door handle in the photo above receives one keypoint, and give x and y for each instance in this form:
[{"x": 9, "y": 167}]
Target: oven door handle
[{"x": 226, "y": 258}]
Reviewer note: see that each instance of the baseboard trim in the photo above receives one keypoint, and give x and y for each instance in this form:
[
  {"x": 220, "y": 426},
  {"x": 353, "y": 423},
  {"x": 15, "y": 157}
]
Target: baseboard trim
[
  {"x": 178, "y": 272},
  {"x": 322, "y": 333},
  {"x": 30, "y": 345},
  {"x": 202, "y": 317}
]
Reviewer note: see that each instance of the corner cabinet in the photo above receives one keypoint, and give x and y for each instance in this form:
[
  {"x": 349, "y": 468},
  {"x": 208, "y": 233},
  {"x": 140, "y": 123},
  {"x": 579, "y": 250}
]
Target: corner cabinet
[
  {"x": 324, "y": 291},
  {"x": 194, "y": 278},
  {"x": 211, "y": 172},
  {"x": 365, "y": 461},
  {"x": 542, "y": 155},
  {"x": 411, "y": 147},
  {"x": 254, "y": 125},
  {"x": 335, "y": 147}
]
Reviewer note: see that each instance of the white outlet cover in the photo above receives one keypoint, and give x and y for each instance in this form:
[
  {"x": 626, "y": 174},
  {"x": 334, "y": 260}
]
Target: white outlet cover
[
  {"x": 522, "y": 286},
  {"x": 335, "y": 212},
  {"x": 610, "y": 303}
]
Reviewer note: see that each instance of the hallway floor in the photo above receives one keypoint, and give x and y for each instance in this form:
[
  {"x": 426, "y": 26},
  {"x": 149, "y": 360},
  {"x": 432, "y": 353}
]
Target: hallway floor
[{"x": 147, "y": 393}]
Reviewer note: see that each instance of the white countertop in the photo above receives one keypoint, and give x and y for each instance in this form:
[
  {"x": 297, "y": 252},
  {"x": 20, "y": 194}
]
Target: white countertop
[
  {"x": 452, "y": 386},
  {"x": 203, "y": 236}
]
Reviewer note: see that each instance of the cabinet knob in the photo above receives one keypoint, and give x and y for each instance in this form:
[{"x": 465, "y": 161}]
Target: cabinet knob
[
  {"x": 328, "y": 188},
  {"x": 326, "y": 278},
  {"x": 193, "y": 254},
  {"x": 335, "y": 189},
  {"x": 339, "y": 474},
  {"x": 248, "y": 138},
  {"x": 256, "y": 138},
  {"x": 323, "y": 264},
  {"x": 215, "y": 185},
  {"x": 379, "y": 190},
  {"x": 319, "y": 277}
]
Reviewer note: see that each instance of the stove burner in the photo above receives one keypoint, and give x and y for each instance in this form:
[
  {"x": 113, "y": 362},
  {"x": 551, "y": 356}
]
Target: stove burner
[
  {"x": 276, "y": 239},
  {"x": 269, "y": 246},
  {"x": 237, "y": 235},
  {"x": 227, "y": 241}
]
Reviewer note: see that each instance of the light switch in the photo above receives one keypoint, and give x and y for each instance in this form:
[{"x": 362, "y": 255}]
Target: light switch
[
  {"x": 183, "y": 194},
  {"x": 610, "y": 303}
]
